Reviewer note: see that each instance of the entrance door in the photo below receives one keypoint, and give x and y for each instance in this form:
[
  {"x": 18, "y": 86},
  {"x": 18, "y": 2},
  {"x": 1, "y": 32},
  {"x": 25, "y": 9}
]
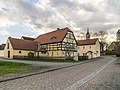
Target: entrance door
[
  {"x": 8, "y": 54},
  {"x": 91, "y": 56}
]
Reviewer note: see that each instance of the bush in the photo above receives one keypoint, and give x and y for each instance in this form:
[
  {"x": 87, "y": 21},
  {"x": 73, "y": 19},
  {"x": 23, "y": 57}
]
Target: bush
[
  {"x": 118, "y": 50},
  {"x": 82, "y": 57},
  {"x": 69, "y": 58},
  {"x": 117, "y": 55},
  {"x": 110, "y": 53},
  {"x": 47, "y": 59}
]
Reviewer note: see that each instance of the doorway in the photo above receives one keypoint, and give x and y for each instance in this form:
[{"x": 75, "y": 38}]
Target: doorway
[{"x": 8, "y": 54}]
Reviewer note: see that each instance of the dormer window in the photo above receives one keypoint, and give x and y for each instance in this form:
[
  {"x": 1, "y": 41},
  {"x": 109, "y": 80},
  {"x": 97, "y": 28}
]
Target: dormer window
[{"x": 52, "y": 38}]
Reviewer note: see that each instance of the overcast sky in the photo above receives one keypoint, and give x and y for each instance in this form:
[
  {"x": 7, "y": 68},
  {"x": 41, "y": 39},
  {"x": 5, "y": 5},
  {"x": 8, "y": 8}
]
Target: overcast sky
[{"x": 34, "y": 17}]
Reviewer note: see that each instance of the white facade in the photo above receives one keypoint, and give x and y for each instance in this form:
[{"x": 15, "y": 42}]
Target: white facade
[
  {"x": 92, "y": 51},
  {"x": 2, "y": 53}
]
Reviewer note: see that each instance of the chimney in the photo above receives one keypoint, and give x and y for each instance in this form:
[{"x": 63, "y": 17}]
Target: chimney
[
  {"x": 9, "y": 37},
  {"x": 58, "y": 28}
]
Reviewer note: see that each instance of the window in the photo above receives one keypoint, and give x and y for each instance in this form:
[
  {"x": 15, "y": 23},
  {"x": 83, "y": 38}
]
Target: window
[
  {"x": 44, "y": 46},
  {"x": 83, "y": 47},
  {"x": 52, "y": 38},
  {"x": 19, "y": 51},
  {"x": 8, "y": 46},
  {"x": 90, "y": 47}
]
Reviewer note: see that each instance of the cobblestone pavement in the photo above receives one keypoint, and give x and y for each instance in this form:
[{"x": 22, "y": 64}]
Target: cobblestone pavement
[
  {"x": 60, "y": 79},
  {"x": 108, "y": 79}
]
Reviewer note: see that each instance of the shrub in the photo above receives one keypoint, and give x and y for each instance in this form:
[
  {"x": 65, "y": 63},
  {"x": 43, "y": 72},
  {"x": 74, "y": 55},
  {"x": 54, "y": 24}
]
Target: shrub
[
  {"x": 110, "y": 53},
  {"x": 51, "y": 59},
  {"x": 82, "y": 57},
  {"x": 118, "y": 50}
]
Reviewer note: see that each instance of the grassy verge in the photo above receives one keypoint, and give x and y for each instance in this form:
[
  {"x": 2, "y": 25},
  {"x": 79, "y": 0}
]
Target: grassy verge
[
  {"x": 116, "y": 57},
  {"x": 46, "y": 59},
  {"x": 12, "y": 67},
  {"x": 117, "y": 60}
]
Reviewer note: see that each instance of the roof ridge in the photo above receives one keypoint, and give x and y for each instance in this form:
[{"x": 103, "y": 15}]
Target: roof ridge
[
  {"x": 22, "y": 39},
  {"x": 59, "y": 33},
  {"x": 53, "y": 31},
  {"x": 88, "y": 39},
  {"x": 20, "y": 44},
  {"x": 26, "y": 36}
]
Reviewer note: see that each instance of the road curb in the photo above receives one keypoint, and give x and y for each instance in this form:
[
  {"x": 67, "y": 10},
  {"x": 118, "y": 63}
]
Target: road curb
[{"x": 45, "y": 71}]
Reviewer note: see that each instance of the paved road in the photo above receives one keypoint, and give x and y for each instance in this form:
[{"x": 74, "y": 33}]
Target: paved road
[
  {"x": 71, "y": 78},
  {"x": 108, "y": 79}
]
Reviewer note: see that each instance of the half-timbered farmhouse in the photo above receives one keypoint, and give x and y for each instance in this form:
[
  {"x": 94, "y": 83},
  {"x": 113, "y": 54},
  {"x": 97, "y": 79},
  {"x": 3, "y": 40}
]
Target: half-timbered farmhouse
[{"x": 58, "y": 43}]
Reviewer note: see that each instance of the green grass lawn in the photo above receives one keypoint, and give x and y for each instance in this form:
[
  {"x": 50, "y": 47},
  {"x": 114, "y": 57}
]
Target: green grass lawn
[
  {"x": 116, "y": 57},
  {"x": 13, "y": 67},
  {"x": 46, "y": 59}
]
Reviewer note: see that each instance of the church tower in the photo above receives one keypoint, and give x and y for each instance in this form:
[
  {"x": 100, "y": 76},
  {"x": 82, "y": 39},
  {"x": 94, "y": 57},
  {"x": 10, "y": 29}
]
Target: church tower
[{"x": 88, "y": 34}]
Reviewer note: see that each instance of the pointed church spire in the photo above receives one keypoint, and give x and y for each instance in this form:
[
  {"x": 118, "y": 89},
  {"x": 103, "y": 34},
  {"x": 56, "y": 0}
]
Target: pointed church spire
[
  {"x": 88, "y": 33},
  {"x": 87, "y": 30}
]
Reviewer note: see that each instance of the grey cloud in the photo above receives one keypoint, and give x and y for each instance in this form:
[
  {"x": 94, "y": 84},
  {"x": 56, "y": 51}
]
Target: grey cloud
[
  {"x": 62, "y": 13},
  {"x": 88, "y": 7},
  {"x": 73, "y": 15},
  {"x": 33, "y": 13},
  {"x": 57, "y": 3},
  {"x": 5, "y": 9},
  {"x": 113, "y": 6}
]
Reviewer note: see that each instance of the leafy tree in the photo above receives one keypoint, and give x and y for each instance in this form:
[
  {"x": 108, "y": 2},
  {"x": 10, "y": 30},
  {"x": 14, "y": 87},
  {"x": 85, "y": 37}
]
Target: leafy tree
[{"x": 118, "y": 50}]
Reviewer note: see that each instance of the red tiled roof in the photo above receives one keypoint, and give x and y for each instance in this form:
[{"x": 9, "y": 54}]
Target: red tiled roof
[
  {"x": 87, "y": 42},
  {"x": 20, "y": 44},
  {"x": 53, "y": 37}
]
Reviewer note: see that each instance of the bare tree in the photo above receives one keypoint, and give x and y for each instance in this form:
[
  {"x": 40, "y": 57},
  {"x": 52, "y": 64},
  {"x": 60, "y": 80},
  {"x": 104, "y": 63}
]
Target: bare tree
[
  {"x": 80, "y": 36},
  {"x": 118, "y": 43},
  {"x": 102, "y": 35}
]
